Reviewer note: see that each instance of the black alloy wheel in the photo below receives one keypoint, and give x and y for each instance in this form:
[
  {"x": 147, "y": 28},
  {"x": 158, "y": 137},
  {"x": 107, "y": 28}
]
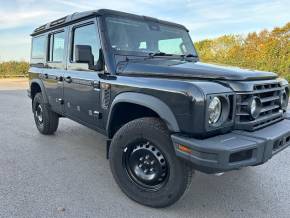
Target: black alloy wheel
[{"x": 146, "y": 165}]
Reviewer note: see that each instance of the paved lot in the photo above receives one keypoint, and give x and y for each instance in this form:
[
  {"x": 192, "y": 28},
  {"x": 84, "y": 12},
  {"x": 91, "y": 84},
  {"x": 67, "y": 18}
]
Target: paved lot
[
  {"x": 39, "y": 174},
  {"x": 13, "y": 84}
]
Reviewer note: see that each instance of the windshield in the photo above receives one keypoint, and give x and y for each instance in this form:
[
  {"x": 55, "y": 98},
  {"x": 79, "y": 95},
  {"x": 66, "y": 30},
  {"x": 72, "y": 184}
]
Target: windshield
[{"x": 148, "y": 37}]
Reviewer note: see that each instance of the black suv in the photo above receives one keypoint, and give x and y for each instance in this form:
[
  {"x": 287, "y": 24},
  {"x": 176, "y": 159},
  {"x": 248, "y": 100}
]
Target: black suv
[{"x": 138, "y": 80}]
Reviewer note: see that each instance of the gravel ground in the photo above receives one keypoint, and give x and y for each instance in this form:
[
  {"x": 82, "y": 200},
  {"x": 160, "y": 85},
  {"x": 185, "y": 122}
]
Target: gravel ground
[{"x": 67, "y": 175}]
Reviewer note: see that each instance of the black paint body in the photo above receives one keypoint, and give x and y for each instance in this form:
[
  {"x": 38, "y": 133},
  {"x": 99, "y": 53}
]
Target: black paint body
[{"x": 173, "y": 89}]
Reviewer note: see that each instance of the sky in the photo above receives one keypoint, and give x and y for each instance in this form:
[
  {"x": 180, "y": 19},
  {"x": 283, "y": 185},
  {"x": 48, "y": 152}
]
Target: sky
[{"x": 204, "y": 18}]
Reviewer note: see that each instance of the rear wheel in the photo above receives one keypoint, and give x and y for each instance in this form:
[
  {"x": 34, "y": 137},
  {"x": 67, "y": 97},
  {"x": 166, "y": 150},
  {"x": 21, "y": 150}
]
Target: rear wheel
[
  {"x": 45, "y": 119},
  {"x": 144, "y": 164}
]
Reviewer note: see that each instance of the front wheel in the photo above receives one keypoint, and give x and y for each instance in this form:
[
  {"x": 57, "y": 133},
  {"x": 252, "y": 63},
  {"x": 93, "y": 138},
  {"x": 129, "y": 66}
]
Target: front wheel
[
  {"x": 144, "y": 164},
  {"x": 45, "y": 119}
]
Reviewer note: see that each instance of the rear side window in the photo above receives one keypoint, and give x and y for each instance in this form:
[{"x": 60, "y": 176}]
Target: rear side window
[
  {"x": 38, "y": 47},
  {"x": 56, "y": 44},
  {"x": 87, "y": 35}
]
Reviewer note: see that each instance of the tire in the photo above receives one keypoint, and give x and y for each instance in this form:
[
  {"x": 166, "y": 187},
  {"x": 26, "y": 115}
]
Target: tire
[
  {"x": 45, "y": 119},
  {"x": 128, "y": 150}
]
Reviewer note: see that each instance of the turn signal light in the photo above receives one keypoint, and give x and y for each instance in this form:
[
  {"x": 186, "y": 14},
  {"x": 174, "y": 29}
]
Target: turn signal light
[{"x": 184, "y": 148}]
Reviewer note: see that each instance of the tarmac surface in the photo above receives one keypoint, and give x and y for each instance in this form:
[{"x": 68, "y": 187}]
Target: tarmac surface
[{"x": 67, "y": 175}]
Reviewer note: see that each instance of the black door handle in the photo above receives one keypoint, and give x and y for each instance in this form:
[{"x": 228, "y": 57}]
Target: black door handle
[
  {"x": 60, "y": 78},
  {"x": 46, "y": 76},
  {"x": 68, "y": 79}
]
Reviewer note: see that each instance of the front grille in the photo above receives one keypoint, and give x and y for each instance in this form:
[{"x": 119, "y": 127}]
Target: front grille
[{"x": 271, "y": 112}]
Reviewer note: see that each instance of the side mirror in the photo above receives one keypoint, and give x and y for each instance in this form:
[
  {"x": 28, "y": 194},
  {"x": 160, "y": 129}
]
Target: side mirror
[{"x": 83, "y": 54}]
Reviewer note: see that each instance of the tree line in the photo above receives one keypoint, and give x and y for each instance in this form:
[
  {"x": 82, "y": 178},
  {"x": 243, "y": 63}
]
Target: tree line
[
  {"x": 14, "y": 69},
  {"x": 265, "y": 50}
]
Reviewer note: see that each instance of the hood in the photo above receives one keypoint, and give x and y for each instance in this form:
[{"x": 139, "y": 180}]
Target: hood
[{"x": 183, "y": 69}]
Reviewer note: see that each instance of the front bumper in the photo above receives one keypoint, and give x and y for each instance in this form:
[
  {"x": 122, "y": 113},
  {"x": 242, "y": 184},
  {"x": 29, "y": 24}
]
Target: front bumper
[{"x": 233, "y": 150}]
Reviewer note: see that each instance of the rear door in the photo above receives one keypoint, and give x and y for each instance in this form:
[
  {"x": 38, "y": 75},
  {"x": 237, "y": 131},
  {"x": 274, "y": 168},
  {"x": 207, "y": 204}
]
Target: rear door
[
  {"x": 81, "y": 85},
  {"x": 54, "y": 71}
]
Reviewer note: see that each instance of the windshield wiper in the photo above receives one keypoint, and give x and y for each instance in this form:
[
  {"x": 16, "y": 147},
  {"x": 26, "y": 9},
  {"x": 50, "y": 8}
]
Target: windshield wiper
[
  {"x": 153, "y": 54},
  {"x": 189, "y": 56}
]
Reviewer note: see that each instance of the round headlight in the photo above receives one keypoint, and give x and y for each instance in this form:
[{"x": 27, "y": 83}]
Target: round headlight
[
  {"x": 214, "y": 110},
  {"x": 255, "y": 107}
]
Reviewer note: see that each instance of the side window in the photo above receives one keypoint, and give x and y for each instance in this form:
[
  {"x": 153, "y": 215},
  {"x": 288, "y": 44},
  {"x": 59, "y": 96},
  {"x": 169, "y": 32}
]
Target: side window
[
  {"x": 86, "y": 35},
  {"x": 56, "y": 45},
  {"x": 38, "y": 47}
]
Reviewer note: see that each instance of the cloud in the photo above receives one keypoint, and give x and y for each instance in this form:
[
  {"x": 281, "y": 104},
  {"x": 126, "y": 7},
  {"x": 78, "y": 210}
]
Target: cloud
[
  {"x": 76, "y": 5},
  {"x": 204, "y": 19},
  {"x": 73, "y": 4},
  {"x": 12, "y": 20}
]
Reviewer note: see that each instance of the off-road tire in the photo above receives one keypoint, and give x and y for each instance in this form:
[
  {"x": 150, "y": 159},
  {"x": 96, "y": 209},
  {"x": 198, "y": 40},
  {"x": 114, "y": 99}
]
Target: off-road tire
[
  {"x": 50, "y": 119},
  {"x": 155, "y": 131}
]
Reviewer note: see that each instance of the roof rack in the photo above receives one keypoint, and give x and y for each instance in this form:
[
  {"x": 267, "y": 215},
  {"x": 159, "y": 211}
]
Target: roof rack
[
  {"x": 40, "y": 28},
  {"x": 58, "y": 21},
  {"x": 62, "y": 21},
  {"x": 80, "y": 15}
]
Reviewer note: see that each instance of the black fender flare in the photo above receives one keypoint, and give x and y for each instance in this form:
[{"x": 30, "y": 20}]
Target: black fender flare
[
  {"x": 153, "y": 103},
  {"x": 41, "y": 85}
]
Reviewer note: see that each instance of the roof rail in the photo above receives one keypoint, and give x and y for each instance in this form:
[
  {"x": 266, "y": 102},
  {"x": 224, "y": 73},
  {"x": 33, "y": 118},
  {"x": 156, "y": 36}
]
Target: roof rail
[
  {"x": 58, "y": 21},
  {"x": 77, "y": 16},
  {"x": 40, "y": 28}
]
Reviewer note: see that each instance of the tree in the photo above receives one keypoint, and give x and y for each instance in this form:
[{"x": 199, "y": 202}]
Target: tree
[{"x": 266, "y": 50}]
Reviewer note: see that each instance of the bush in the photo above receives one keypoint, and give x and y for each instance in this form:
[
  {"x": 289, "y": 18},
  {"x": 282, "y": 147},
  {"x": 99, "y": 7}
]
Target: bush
[
  {"x": 267, "y": 51},
  {"x": 14, "y": 69}
]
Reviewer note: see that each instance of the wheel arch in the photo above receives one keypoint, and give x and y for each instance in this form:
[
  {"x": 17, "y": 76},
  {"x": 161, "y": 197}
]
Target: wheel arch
[
  {"x": 36, "y": 86},
  {"x": 149, "y": 103}
]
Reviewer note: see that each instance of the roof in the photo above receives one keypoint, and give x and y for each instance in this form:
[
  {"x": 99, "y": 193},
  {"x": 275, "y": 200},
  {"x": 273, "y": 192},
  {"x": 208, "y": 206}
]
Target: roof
[{"x": 81, "y": 15}]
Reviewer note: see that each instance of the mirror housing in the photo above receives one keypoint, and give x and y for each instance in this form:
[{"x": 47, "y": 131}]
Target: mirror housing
[{"x": 83, "y": 54}]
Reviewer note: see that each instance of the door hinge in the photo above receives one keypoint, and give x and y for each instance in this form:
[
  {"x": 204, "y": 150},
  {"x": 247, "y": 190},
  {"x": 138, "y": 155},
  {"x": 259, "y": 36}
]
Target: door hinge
[
  {"x": 60, "y": 100},
  {"x": 97, "y": 114}
]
